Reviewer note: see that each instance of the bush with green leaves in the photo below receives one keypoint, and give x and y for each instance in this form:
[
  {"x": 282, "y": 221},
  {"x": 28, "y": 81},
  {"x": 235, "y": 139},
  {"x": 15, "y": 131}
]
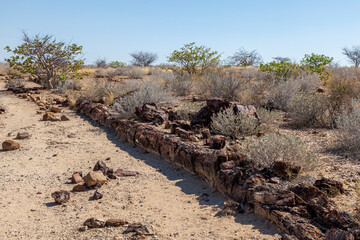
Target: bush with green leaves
[
  {"x": 233, "y": 125},
  {"x": 316, "y": 63},
  {"x": 45, "y": 58},
  {"x": 266, "y": 150},
  {"x": 116, "y": 64},
  {"x": 195, "y": 59},
  {"x": 348, "y": 125},
  {"x": 280, "y": 70}
]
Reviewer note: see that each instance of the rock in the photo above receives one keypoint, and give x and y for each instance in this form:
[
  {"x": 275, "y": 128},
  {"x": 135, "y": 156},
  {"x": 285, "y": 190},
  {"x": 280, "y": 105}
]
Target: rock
[
  {"x": 95, "y": 177},
  {"x": 101, "y": 166},
  {"x": 76, "y": 177},
  {"x": 2, "y": 110},
  {"x": 140, "y": 229},
  {"x": 79, "y": 188},
  {"x": 49, "y": 116},
  {"x": 55, "y": 109},
  {"x": 330, "y": 187},
  {"x": 115, "y": 222},
  {"x": 151, "y": 113},
  {"x": 61, "y": 196},
  {"x": 217, "y": 142},
  {"x": 125, "y": 173},
  {"x": 23, "y": 135},
  {"x": 249, "y": 110},
  {"x": 213, "y": 106},
  {"x": 64, "y": 118},
  {"x": 286, "y": 170},
  {"x": 206, "y": 134},
  {"x": 39, "y": 112},
  {"x": 98, "y": 194},
  {"x": 94, "y": 223},
  {"x": 227, "y": 165},
  {"x": 230, "y": 208},
  {"x": 337, "y": 234},
  {"x": 288, "y": 237},
  {"x": 9, "y": 145}
]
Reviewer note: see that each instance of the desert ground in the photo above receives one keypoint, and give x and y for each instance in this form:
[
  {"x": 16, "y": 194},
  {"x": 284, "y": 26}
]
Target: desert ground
[{"x": 172, "y": 202}]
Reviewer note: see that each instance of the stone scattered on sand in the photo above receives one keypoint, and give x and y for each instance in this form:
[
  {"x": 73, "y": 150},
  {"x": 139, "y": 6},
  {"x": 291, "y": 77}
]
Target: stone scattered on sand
[
  {"x": 79, "y": 188},
  {"x": 230, "y": 208},
  {"x": 76, "y": 177},
  {"x": 49, "y": 116},
  {"x": 140, "y": 229},
  {"x": 55, "y": 109},
  {"x": 23, "y": 135},
  {"x": 61, "y": 196},
  {"x": 64, "y": 118},
  {"x": 98, "y": 194},
  {"x": 115, "y": 222},
  {"x": 125, "y": 173},
  {"x": 9, "y": 145},
  {"x": 94, "y": 177},
  {"x": 94, "y": 223}
]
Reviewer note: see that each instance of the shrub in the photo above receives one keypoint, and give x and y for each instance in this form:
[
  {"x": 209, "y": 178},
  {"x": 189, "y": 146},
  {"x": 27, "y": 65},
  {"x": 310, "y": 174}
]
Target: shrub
[
  {"x": 187, "y": 110},
  {"x": 245, "y": 58},
  {"x": 348, "y": 124},
  {"x": 267, "y": 118},
  {"x": 15, "y": 83},
  {"x": 103, "y": 91},
  {"x": 181, "y": 84},
  {"x": 135, "y": 72},
  {"x": 195, "y": 59},
  {"x": 116, "y": 64},
  {"x": 315, "y": 63},
  {"x": 353, "y": 55},
  {"x": 310, "y": 110},
  {"x": 266, "y": 150},
  {"x": 280, "y": 70},
  {"x": 251, "y": 74},
  {"x": 68, "y": 84},
  {"x": 147, "y": 92},
  {"x": 308, "y": 82},
  {"x": 280, "y": 94},
  {"x": 101, "y": 63},
  {"x": 143, "y": 58},
  {"x": 45, "y": 58},
  {"x": 228, "y": 123}
]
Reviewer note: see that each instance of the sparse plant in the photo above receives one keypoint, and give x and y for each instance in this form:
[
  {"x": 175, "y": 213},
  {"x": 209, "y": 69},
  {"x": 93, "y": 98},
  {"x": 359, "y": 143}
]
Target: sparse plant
[
  {"x": 280, "y": 94},
  {"x": 245, "y": 58},
  {"x": 348, "y": 125},
  {"x": 147, "y": 92},
  {"x": 270, "y": 148},
  {"x": 353, "y": 55},
  {"x": 101, "y": 63},
  {"x": 228, "y": 123},
  {"x": 181, "y": 84},
  {"x": 15, "y": 83},
  {"x": 267, "y": 118},
  {"x": 68, "y": 84},
  {"x": 187, "y": 110},
  {"x": 45, "y": 58},
  {"x": 116, "y": 64},
  {"x": 143, "y": 58},
  {"x": 282, "y": 59},
  {"x": 195, "y": 59},
  {"x": 103, "y": 91},
  {"x": 135, "y": 72}
]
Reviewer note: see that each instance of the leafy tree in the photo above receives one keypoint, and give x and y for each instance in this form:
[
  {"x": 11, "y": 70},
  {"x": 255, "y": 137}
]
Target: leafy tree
[
  {"x": 195, "y": 59},
  {"x": 45, "y": 58},
  {"x": 353, "y": 55},
  {"x": 116, "y": 64},
  {"x": 315, "y": 63},
  {"x": 245, "y": 58},
  {"x": 143, "y": 58}
]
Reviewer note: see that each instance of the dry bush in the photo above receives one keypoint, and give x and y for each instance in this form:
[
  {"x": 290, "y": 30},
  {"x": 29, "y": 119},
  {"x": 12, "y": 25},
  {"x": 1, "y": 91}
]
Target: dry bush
[
  {"x": 228, "y": 123},
  {"x": 15, "y": 83},
  {"x": 308, "y": 82},
  {"x": 348, "y": 124},
  {"x": 131, "y": 72},
  {"x": 187, "y": 110},
  {"x": 4, "y": 68},
  {"x": 68, "y": 84},
  {"x": 280, "y": 94},
  {"x": 134, "y": 72},
  {"x": 220, "y": 83},
  {"x": 147, "y": 92},
  {"x": 266, "y": 150},
  {"x": 154, "y": 71},
  {"x": 181, "y": 84},
  {"x": 252, "y": 74},
  {"x": 267, "y": 118},
  {"x": 102, "y": 91},
  {"x": 253, "y": 93}
]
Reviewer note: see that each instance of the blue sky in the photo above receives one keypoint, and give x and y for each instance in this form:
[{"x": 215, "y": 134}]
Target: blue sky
[{"x": 113, "y": 29}]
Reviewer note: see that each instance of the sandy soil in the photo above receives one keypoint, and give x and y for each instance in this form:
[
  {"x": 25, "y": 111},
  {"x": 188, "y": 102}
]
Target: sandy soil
[{"x": 177, "y": 204}]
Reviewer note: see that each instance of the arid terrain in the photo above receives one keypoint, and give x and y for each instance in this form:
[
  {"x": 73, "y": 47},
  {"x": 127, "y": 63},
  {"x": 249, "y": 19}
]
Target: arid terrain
[{"x": 176, "y": 204}]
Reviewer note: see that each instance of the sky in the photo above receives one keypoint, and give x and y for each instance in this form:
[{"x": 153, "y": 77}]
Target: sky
[{"x": 112, "y": 29}]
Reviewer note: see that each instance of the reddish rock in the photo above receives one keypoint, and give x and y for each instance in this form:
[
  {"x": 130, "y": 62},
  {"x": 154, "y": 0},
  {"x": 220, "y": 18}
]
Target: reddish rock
[
  {"x": 101, "y": 166},
  {"x": 286, "y": 170},
  {"x": 79, "y": 188},
  {"x": 9, "y": 145},
  {"x": 64, "y": 118},
  {"x": 151, "y": 113},
  {"x": 49, "y": 116},
  {"x": 206, "y": 134},
  {"x": 76, "y": 177},
  {"x": 95, "y": 177},
  {"x": 94, "y": 223},
  {"x": 330, "y": 186},
  {"x": 249, "y": 110},
  {"x": 213, "y": 106},
  {"x": 227, "y": 165},
  {"x": 230, "y": 208},
  {"x": 55, "y": 109},
  {"x": 217, "y": 142},
  {"x": 337, "y": 234},
  {"x": 61, "y": 196},
  {"x": 115, "y": 222},
  {"x": 125, "y": 173},
  {"x": 23, "y": 135}
]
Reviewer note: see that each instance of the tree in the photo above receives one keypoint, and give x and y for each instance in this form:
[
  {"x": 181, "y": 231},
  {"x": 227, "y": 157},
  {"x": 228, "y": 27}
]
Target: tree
[
  {"x": 195, "y": 59},
  {"x": 143, "y": 58},
  {"x": 282, "y": 59},
  {"x": 45, "y": 58},
  {"x": 101, "y": 63},
  {"x": 315, "y": 63},
  {"x": 353, "y": 55},
  {"x": 244, "y": 58}
]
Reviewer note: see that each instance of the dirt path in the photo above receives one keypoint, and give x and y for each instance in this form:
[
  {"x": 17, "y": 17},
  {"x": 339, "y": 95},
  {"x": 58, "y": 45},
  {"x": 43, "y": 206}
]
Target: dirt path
[{"x": 171, "y": 200}]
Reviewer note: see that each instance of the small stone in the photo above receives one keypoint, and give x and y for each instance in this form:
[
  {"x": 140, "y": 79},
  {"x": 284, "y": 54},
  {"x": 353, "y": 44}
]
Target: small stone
[
  {"x": 9, "y": 145},
  {"x": 23, "y": 135},
  {"x": 61, "y": 196},
  {"x": 94, "y": 177},
  {"x": 55, "y": 109},
  {"x": 275, "y": 180},
  {"x": 115, "y": 222},
  {"x": 64, "y": 118},
  {"x": 227, "y": 165},
  {"x": 39, "y": 112},
  {"x": 83, "y": 228},
  {"x": 47, "y": 116},
  {"x": 76, "y": 177},
  {"x": 79, "y": 188},
  {"x": 230, "y": 208},
  {"x": 94, "y": 223},
  {"x": 140, "y": 229},
  {"x": 98, "y": 194},
  {"x": 125, "y": 173}
]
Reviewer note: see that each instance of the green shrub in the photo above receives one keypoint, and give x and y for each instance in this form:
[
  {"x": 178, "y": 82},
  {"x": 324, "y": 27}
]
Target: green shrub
[
  {"x": 315, "y": 63},
  {"x": 280, "y": 70}
]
